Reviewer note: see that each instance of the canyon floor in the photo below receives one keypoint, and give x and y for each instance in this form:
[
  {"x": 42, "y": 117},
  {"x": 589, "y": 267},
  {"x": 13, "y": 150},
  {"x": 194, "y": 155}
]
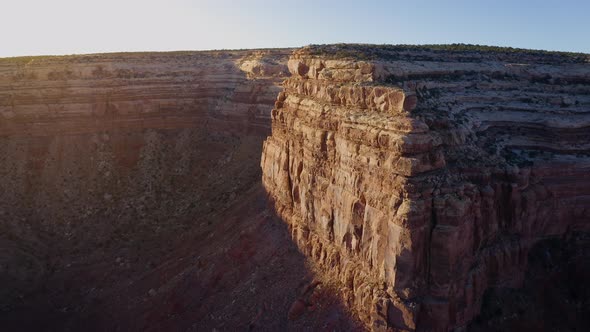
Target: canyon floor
[{"x": 238, "y": 271}]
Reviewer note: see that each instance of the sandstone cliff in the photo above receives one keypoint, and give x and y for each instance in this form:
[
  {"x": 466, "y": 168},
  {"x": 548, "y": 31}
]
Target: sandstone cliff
[
  {"x": 130, "y": 196},
  {"x": 40, "y": 96},
  {"x": 421, "y": 177}
]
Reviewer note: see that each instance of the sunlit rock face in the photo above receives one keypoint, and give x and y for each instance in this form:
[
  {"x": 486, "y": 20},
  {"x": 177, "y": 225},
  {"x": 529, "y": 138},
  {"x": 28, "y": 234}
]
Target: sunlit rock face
[{"x": 422, "y": 177}]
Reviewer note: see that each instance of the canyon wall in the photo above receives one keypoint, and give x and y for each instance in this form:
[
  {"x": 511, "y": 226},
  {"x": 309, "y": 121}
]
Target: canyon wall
[
  {"x": 418, "y": 177},
  {"x": 123, "y": 151},
  {"x": 41, "y": 96},
  {"x": 421, "y": 177}
]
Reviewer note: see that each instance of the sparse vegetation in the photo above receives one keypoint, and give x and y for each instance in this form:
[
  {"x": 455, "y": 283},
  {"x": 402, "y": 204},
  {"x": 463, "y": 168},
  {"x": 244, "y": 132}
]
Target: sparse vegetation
[{"x": 468, "y": 52}]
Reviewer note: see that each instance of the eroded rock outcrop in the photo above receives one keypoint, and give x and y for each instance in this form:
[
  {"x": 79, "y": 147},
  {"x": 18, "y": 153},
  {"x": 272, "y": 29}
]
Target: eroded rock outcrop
[{"x": 421, "y": 177}]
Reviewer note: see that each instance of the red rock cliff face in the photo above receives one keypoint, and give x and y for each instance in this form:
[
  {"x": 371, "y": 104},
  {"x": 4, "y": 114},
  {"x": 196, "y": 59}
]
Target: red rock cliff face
[{"x": 420, "y": 178}]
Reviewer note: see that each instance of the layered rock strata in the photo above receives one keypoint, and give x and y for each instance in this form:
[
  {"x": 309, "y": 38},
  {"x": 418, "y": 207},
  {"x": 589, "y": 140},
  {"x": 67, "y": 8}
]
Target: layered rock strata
[
  {"x": 41, "y": 96},
  {"x": 421, "y": 177},
  {"x": 111, "y": 150}
]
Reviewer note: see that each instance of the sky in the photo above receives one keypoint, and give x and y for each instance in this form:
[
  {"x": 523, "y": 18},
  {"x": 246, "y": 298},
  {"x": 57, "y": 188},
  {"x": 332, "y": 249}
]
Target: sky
[{"x": 42, "y": 27}]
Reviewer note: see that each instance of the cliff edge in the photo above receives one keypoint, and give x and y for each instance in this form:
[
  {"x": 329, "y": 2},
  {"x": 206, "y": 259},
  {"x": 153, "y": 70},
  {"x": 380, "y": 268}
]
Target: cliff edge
[{"x": 420, "y": 177}]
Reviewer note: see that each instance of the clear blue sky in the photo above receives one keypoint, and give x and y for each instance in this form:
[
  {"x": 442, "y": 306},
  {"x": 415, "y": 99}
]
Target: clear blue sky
[{"x": 33, "y": 27}]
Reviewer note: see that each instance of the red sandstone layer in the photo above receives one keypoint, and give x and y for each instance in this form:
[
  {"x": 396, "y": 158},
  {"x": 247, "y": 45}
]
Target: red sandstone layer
[{"x": 421, "y": 178}]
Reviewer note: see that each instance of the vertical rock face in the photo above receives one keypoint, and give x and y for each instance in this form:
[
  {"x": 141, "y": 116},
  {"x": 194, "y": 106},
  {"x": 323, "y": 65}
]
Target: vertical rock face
[{"x": 422, "y": 177}]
